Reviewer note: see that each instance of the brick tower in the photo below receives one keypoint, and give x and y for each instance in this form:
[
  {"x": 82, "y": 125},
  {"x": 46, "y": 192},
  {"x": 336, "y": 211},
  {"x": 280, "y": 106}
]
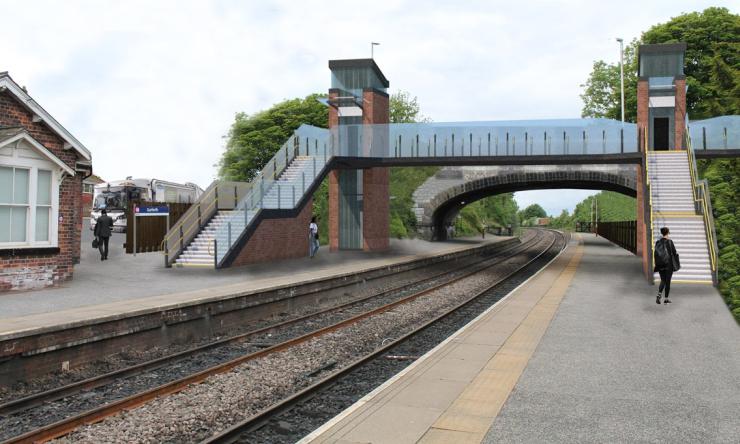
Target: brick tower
[{"x": 359, "y": 214}]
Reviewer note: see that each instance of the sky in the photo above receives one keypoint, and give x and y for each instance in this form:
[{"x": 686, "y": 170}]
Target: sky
[{"x": 151, "y": 88}]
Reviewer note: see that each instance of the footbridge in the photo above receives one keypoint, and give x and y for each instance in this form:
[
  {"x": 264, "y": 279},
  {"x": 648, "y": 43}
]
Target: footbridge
[
  {"x": 440, "y": 198},
  {"x": 266, "y": 219}
]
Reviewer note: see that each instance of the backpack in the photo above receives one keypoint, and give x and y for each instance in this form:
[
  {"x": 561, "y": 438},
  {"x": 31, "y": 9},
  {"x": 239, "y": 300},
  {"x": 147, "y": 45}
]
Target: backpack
[{"x": 662, "y": 255}]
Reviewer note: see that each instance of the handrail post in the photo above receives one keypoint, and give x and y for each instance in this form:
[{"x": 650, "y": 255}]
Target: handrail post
[
  {"x": 314, "y": 167},
  {"x": 166, "y": 255},
  {"x": 489, "y": 144},
  {"x": 303, "y": 181},
  {"x": 621, "y": 140},
  {"x": 236, "y": 196},
  {"x": 704, "y": 137},
  {"x": 181, "y": 239},
  {"x": 200, "y": 220},
  {"x": 228, "y": 226},
  {"x": 603, "y": 141}
]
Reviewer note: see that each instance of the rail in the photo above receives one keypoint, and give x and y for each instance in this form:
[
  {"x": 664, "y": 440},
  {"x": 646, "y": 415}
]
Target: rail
[
  {"x": 702, "y": 202},
  {"x": 65, "y": 426},
  {"x": 235, "y": 432}
]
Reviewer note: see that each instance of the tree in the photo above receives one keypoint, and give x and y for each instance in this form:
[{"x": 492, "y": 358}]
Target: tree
[
  {"x": 712, "y": 67},
  {"x": 405, "y": 109},
  {"x": 254, "y": 139},
  {"x": 534, "y": 210},
  {"x": 602, "y": 93}
]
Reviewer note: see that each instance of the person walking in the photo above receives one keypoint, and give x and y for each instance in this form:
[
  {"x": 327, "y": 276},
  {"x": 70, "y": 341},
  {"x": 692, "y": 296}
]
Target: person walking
[
  {"x": 666, "y": 262},
  {"x": 313, "y": 237},
  {"x": 103, "y": 229}
]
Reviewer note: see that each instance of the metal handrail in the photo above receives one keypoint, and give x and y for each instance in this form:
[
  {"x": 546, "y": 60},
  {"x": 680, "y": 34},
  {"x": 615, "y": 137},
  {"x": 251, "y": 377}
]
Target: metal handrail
[
  {"x": 702, "y": 201},
  {"x": 186, "y": 217}
]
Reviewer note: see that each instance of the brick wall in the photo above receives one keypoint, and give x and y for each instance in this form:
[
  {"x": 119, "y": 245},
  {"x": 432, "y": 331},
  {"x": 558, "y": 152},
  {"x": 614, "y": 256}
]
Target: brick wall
[
  {"x": 276, "y": 239},
  {"x": 375, "y": 181},
  {"x": 376, "y": 211},
  {"x": 642, "y": 125},
  {"x": 28, "y": 271},
  {"x": 334, "y": 210},
  {"x": 680, "y": 113}
]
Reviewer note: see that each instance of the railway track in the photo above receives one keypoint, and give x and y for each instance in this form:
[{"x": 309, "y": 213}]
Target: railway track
[
  {"x": 62, "y": 427},
  {"x": 270, "y": 420}
]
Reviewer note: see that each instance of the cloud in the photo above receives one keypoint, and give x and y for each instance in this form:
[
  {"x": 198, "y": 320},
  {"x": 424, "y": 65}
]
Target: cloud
[{"x": 151, "y": 87}]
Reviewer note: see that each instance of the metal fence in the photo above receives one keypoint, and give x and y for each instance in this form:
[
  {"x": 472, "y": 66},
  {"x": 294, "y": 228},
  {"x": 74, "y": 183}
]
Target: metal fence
[{"x": 622, "y": 233}]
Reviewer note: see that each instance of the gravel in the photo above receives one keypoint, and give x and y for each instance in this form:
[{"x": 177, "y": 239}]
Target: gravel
[
  {"x": 222, "y": 400},
  {"x": 50, "y": 412}
]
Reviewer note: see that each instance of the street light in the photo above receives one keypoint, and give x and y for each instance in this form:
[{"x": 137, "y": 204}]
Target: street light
[
  {"x": 372, "y": 47},
  {"x": 621, "y": 72}
]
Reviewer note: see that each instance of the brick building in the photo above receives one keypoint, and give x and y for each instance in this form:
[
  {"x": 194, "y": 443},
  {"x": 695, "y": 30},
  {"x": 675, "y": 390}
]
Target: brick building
[
  {"x": 88, "y": 191},
  {"x": 42, "y": 167}
]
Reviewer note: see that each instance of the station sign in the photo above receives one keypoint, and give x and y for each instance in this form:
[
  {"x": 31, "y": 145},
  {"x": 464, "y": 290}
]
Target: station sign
[{"x": 159, "y": 210}]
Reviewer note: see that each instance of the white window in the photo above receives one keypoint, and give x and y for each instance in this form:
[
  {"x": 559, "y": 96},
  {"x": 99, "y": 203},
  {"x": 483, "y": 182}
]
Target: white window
[
  {"x": 13, "y": 204},
  {"x": 29, "y": 195},
  {"x": 88, "y": 188}
]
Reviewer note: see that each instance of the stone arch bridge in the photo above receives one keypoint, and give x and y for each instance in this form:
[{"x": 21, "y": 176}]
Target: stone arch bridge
[{"x": 441, "y": 197}]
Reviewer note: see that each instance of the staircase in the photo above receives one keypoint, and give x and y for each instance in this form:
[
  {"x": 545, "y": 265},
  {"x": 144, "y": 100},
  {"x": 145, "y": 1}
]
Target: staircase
[
  {"x": 673, "y": 206},
  {"x": 282, "y": 193},
  {"x": 288, "y": 188},
  {"x": 199, "y": 253}
]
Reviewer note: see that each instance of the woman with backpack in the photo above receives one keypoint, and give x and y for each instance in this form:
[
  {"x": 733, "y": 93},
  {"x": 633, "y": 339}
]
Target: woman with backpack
[{"x": 666, "y": 262}]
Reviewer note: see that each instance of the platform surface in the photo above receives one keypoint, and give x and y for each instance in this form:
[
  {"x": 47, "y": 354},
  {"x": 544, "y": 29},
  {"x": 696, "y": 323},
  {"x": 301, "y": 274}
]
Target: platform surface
[
  {"x": 580, "y": 353},
  {"x": 127, "y": 284}
]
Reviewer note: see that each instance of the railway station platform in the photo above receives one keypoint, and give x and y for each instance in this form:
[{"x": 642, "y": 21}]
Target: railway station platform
[
  {"x": 127, "y": 282},
  {"x": 578, "y": 353}
]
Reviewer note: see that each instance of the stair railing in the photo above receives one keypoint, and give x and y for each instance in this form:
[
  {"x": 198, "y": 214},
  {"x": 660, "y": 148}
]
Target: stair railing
[
  {"x": 254, "y": 202},
  {"x": 218, "y": 195},
  {"x": 703, "y": 204}
]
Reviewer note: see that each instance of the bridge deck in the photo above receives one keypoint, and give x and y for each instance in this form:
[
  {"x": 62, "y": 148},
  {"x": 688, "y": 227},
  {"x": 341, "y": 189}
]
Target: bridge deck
[{"x": 606, "y": 364}]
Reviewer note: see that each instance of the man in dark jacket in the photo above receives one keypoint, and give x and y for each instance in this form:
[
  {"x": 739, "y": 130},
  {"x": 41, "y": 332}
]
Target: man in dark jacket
[
  {"x": 666, "y": 262},
  {"x": 103, "y": 229}
]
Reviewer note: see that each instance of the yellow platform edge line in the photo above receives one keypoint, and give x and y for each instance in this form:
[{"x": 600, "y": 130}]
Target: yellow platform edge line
[{"x": 505, "y": 378}]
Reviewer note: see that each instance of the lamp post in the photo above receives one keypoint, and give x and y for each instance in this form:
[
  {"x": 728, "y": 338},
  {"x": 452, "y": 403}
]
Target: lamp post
[
  {"x": 621, "y": 72},
  {"x": 372, "y": 47}
]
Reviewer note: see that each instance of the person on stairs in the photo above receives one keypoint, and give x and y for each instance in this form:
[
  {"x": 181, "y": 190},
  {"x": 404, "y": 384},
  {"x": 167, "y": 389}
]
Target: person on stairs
[{"x": 666, "y": 262}]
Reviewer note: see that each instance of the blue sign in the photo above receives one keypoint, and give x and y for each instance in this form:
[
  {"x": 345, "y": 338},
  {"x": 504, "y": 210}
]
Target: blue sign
[{"x": 162, "y": 210}]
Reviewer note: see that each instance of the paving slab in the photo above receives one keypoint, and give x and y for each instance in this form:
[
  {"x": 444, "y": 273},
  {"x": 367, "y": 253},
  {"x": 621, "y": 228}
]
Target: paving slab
[{"x": 616, "y": 367}]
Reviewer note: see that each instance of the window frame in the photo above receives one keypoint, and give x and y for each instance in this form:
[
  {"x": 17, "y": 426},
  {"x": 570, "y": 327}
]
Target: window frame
[{"x": 33, "y": 165}]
